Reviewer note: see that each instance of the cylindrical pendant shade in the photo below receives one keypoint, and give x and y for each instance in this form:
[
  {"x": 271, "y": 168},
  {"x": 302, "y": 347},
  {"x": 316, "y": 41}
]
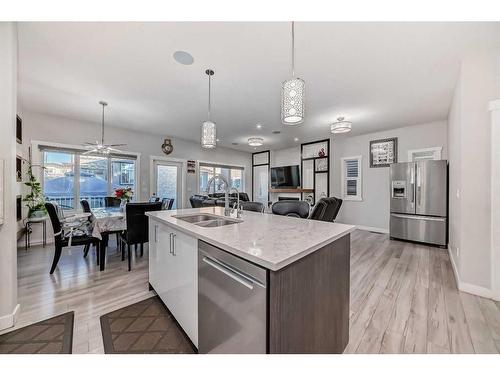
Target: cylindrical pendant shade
[
  {"x": 208, "y": 135},
  {"x": 292, "y": 101}
]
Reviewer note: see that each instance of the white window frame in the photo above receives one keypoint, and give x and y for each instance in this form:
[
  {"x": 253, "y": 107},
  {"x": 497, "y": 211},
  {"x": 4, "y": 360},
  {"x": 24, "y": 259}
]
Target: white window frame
[
  {"x": 219, "y": 165},
  {"x": 359, "y": 196},
  {"x": 436, "y": 153},
  {"x": 37, "y": 159}
]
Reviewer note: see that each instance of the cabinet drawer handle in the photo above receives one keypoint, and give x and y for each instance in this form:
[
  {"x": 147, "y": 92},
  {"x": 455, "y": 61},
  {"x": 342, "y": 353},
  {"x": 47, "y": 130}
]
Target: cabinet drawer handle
[
  {"x": 156, "y": 233},
  {"x": 173, "y": 244},
  {"x": 170, "y": 242}
]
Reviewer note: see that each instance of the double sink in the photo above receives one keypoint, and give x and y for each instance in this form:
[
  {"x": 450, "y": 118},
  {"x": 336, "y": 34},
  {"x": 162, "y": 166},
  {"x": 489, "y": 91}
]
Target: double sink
[{"x": 207, "y": 220}]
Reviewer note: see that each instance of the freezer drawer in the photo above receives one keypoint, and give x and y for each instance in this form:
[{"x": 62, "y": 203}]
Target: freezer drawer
[{"x": 432, "y": 230}]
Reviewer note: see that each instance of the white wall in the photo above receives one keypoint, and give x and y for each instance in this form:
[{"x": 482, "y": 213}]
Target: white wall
[
  {"x": 373, "y": 210},
  {"x": 469, "y": 137},
  {"x": 41, "y": 127},
  {"x": 8, "y": 104}
]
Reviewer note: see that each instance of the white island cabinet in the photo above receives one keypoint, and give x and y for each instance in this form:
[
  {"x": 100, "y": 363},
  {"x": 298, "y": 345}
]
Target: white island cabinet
[{"x": 173, "y": 273}]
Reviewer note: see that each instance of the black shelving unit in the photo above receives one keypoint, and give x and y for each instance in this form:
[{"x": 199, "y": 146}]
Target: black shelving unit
[{"x": 315, "y": 172}]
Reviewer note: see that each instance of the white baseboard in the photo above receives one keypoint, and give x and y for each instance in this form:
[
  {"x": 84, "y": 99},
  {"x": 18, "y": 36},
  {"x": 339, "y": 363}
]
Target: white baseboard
[
  {"x": 469, "y": 288},
  {"x": 373, "y": 229},
  {"x": 9, "y": 320}
]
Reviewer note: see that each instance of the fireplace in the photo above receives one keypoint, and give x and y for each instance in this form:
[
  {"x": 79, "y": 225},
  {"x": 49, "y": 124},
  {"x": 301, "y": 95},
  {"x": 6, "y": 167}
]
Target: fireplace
[{"x": 288, "y": 198}]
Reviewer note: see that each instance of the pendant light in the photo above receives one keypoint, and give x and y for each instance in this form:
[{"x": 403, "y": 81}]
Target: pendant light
[
  {"x": 292, "y": 94},
  {"x": 208, "y": 129},
  {"x": 341, "y": 126},
  {"x": 101, "y": 147},
  {"x": 255, "y": 141}
]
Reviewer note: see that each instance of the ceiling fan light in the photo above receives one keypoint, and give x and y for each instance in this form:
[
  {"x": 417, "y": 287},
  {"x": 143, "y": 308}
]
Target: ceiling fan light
[
  {"x": 208, "y": 135},
  {"x": 341, "y": 126},
  {"x": 255, "y": 141}
]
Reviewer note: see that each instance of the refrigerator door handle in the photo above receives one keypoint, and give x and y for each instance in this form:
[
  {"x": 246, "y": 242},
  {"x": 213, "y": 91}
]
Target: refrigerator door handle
[
  {"x": 419, "y": 186},
  {"x": 412, "y": 184}
]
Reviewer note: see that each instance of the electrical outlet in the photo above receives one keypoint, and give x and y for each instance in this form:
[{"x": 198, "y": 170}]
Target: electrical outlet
[
  {"x": 458, "y": 252},
  {"x": 458, "y": 193}
]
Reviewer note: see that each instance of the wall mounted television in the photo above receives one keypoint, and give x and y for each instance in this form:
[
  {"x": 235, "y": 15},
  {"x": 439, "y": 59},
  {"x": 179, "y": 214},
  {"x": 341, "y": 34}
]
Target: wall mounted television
[{"x": 285, "y": 177}]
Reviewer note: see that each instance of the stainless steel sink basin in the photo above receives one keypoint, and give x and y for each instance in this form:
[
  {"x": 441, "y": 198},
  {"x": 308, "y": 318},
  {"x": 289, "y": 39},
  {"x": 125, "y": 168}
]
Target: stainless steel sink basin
[
  {"x": 217, "y": 223},
  {"x": 207, "y": 220},
  {"x": 196, "y": 218}
]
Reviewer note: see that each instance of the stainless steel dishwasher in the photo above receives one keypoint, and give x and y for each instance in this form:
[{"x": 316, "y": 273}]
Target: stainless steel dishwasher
[{"x": 232, "y": 303}]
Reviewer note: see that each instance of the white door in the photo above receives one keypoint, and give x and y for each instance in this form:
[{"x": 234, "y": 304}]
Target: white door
[{"x": 168, "y": 181}]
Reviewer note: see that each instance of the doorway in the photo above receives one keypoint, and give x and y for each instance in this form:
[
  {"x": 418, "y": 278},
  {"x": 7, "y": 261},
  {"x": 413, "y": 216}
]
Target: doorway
[{"x": 167, "y": 181}]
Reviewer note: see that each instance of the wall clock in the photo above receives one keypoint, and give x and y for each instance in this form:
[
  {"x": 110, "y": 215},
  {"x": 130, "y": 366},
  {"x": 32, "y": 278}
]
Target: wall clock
[{"x": 167, "y": 146}]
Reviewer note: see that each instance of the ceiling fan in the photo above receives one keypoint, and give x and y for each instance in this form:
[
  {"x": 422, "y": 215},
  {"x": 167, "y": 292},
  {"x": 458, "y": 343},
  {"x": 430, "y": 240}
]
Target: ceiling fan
[{"x": 102, "y": 148}]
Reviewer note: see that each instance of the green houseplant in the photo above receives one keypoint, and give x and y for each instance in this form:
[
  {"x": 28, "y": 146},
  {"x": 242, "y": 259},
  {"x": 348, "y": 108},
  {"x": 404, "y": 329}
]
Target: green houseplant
[{"x": 34, "y": 199}]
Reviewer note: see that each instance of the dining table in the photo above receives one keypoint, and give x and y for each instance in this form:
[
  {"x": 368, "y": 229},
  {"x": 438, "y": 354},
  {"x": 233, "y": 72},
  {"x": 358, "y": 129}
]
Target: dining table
[{"x": 106, "y": 220}]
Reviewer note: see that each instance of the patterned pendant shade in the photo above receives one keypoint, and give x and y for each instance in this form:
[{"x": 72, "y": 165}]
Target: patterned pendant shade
[
  {"x": 208, "y": 128},
  {"x": 208, "y": 135},
  {"x": 292, "y": 101}
]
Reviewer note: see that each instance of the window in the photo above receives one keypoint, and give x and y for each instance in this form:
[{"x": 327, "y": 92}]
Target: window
[
  {"x": 351, "y": 178},
  {"x": 98, "y": 176},
  {"x": 234, "y": 175}
]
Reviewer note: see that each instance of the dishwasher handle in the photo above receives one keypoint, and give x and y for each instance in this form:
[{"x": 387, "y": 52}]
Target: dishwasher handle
[{"x": 233, "y": 273}]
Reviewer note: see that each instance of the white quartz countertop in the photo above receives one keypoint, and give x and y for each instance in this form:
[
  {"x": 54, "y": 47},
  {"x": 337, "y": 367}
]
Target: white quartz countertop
[{"x": 271, "y": 241}]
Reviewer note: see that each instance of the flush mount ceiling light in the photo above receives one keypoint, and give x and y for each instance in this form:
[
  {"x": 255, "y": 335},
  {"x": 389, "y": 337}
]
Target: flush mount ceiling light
[
  {"x": 101, "y": 147},
  {"x": 182, "y": 57},
  {"x": 340, "y": 126},
  {"x": 255, "y": 141},
  {"x": 292, "y": 94},
  {"x": 208, "y": 129}
]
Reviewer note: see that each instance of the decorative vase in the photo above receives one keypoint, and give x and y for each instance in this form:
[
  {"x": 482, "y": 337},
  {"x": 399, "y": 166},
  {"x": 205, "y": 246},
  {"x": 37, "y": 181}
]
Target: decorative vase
[{"x": 123, "y": 203}]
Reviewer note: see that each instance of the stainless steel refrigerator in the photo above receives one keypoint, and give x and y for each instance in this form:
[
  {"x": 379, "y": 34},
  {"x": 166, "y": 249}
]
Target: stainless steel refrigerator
[{"x": 419, "y": 201}]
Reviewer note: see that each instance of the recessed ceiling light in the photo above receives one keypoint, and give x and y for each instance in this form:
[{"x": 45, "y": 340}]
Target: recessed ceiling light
[
  {"x": 259, "y": 126},
  {"x": 296, "y": 139},
  {"x": 276, "y": 132},
  {"x": 218, "y": 140},
  {"x": 255, "y": 141},
  {"x": 182, "y": 57},
  {"x": 235, "y": 143}
]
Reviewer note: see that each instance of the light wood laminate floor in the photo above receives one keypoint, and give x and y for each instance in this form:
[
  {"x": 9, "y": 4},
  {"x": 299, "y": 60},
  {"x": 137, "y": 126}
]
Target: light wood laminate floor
[{"x": 404, "y": 297}]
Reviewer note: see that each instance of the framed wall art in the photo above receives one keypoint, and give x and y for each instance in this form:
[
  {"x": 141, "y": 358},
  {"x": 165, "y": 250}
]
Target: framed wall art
[{"x": 383, "y": 152}]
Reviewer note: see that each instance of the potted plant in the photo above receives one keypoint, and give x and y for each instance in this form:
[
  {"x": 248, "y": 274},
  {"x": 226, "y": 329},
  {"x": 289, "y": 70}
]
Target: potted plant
[
  {"x": 34, "y": 199},
  {"x": 125, "y": 194}
]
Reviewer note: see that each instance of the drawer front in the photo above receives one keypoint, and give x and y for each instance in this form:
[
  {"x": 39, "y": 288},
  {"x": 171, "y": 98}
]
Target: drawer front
[{"x": 426, "y": 229}]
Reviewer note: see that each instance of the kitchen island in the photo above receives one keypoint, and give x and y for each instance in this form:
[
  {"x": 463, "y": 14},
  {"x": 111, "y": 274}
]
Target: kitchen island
[{"x": 260, "y": 283}]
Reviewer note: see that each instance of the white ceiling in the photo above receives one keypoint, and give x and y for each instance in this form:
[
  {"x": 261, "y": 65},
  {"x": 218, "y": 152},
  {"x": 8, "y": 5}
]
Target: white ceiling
[{"x": 377, "y": 75}]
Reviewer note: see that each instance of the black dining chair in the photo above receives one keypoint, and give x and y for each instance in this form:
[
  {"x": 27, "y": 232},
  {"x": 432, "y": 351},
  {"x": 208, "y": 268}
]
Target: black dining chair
[
  {"x": 112, "y": 202},
  {"x": 79, "y": 237},
  {"x": 86, "y": 208},
  {"x": 154, "y": 199},
  {"x": 252, "y": 206},
  {"x": 137, "y": 227},
  {"x": 291, "y": 208},
  {"x": 167, "y": 203},
  {"x": 326, "y": 209}
]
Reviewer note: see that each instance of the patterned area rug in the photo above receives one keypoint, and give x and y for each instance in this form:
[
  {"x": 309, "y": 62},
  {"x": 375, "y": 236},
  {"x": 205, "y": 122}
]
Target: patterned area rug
[
  {"x": 51, "y": 336},
  {"x": 144, "y": 327}
]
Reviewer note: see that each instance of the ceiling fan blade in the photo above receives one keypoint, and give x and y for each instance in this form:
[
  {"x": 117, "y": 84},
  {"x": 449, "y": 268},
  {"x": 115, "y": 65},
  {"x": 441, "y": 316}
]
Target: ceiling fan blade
[
  {"x": 89, "y": 152},
  {"x": 113, "y": 149},
  {"x": 117, "y": 145},
  {"x": 89, "y": 143}
]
